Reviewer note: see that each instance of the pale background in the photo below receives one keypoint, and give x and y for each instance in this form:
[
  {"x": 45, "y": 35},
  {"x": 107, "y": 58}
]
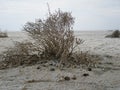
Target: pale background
[{"x": 89, "y": 14}]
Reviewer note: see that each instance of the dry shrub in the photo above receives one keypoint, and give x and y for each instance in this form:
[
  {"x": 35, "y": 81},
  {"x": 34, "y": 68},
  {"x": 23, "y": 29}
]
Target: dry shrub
[
  {"x": 54, "y": 35},
  {"x": 21, "y": 54},
  {"x": 3, "y": 34},
  {"x": 53, "y": 40},
  {"x": 115, "y": 34}
]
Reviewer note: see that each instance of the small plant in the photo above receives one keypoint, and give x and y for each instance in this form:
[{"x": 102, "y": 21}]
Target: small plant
[{"x": 115, "y": 34}]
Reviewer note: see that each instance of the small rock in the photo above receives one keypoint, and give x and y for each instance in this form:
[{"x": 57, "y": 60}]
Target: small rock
[
  {"x": 52, "y": 69},
  {"x": 89, "y": 69},
  {"x": 50, "y": 64},
  {"x": 38, "y": 67},
  {"x": 44, "y": 65},
  {"x": 74, "y": 77},
  {"x": 85, "y": 74},
  {"x": 66, "y": 78}
]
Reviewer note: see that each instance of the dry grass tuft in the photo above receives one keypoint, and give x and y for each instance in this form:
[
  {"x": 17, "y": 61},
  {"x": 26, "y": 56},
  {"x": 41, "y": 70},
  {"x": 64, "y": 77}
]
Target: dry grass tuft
[
  {"x": 20, "y": 54},
  {"x": 85, "y": 59}
]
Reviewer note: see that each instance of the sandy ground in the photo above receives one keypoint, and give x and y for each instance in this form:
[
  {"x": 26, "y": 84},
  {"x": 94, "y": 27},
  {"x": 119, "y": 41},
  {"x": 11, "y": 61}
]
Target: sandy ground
[{"x": 105, "y": 77}]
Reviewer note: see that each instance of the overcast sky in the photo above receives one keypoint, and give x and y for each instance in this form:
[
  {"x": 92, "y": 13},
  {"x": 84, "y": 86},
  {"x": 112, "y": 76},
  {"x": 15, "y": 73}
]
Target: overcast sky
[{"x": 89, "y": 14}]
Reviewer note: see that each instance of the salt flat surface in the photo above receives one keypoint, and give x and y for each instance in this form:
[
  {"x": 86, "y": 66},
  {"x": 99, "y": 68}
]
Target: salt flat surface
[
  {"x": 104, "y": 77},
  {"x": 12, "y": 38},
  {"x": 96, "y": 42}
]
